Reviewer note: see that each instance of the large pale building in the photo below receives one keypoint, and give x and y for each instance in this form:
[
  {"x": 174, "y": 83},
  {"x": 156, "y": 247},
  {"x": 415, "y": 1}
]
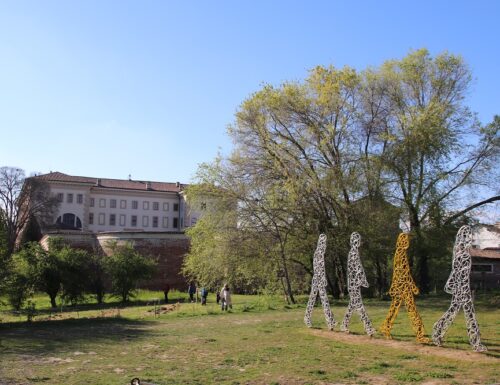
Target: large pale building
[
  {"x": 95, "y": 213},
  {"x": 104, "y": 205}
]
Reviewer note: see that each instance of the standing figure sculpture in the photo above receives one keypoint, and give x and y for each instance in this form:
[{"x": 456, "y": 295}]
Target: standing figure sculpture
[
  {"x": 356, "y": 278},
  {"x": 403, "y": 288},
  {"x": 319, "y": 285},
  {"x": 458, "y": 285}
]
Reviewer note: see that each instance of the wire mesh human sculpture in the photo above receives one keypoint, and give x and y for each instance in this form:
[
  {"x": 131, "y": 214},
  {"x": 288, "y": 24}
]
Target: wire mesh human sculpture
[
  {"x": 458, "y": 285},
  {"x": 318, "y": 285},
  {"x": 403, "y": 288},
  {"x": 356, "y": 278}
]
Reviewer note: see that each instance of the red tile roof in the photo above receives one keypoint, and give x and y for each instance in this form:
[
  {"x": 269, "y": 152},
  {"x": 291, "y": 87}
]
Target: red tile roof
[
  {"x": 124, "y": 184},
  {"x": 490, "y": 254}
]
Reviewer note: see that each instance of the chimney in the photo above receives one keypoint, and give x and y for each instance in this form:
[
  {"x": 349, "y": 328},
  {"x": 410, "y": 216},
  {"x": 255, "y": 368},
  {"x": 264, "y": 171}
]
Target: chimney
[
  {"x": 98, "y": 182},
  {"x": 148, "y": 185},
  {"x": 177, "y": 184},
  {"x": 129, "y": 176}
]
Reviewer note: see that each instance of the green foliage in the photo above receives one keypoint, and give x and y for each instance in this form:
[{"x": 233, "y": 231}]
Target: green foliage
[
  {"x": 22, "y": 279},
  {"x": 126, "y": 267},
  {"x": 343, "y": 151},
  {"x": 75, "y": 273}
]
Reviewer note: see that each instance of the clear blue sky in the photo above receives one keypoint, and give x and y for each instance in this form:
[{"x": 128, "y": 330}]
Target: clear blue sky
[{"x": 111, "y": 88}]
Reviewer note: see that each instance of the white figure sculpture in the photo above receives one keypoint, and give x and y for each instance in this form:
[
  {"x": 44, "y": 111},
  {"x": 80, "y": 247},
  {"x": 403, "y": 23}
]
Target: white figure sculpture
[
  {"x": 319, "y": 285},
  {"x": 458, "y": 285},
  {"x": 356, "y": 278}
]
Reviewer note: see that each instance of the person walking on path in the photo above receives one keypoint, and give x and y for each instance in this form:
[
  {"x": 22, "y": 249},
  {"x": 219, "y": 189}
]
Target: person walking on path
[
  {"x": 191, "y": 291},
  {"x": 204, "y": 295},
  {"x": 225, "y": 295},
  {"x": 166, "y": 289}
]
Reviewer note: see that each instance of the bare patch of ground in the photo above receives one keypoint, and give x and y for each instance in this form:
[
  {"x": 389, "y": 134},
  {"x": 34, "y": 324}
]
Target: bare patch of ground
[{"x": 404, "y": 345}]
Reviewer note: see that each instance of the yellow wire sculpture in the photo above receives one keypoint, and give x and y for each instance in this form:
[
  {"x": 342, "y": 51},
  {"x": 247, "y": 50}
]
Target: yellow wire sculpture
[{"x": 403, "y": 288}]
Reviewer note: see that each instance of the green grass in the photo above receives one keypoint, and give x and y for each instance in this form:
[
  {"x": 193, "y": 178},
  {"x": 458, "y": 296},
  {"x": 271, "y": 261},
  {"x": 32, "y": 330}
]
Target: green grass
[{"x": 261, "y": 341}]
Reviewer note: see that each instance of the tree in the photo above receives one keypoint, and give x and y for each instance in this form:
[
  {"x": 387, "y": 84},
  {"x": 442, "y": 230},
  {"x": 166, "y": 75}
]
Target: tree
[
  {"x": 21, "y": 200},
  {"x": 435, "y": 145},
  {"x": 221, "y": 250},
  {"x": 22, "y": 277},
  {"x": 126, "y": 267},
  {"x": 95, "y": 279},
  {"x": 75, "y": 265}
]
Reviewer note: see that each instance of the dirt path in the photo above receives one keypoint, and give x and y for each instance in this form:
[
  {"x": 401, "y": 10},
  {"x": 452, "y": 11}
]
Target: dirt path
[{"x": 408, "y": 346}]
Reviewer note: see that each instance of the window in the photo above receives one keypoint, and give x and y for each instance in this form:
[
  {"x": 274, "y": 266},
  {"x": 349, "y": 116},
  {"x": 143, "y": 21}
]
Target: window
[
  {"x": 483, "y": 268},
  {"x": 193, "y": 221},
  {"x": 122, "y": 220},
  {"x": 135, "y": 205},
  {"x": 145, "y": 221},
  {"x": 91, "y": 218},
  {"x": 174, "y": 225},
  {"x": 155, "y": 221},
  {"x": 156, "y": 206},
  {"x": 101, "y": 219},
  {"x": 92, "y": 202},
  {"x": 123, "y": 204},
  {"x": 165, "y": 222},
  {"x": 79, "y": 198},
  {"x": 133, "y": 221},
  {"x": 176, "y": 207},
  {"x": 112, "y": 203},
  {"x": 69, "y": 198},
  {"x": 112, "y": 219},
  {"x": 60, "y": 197},
  {"x": 102, "y": 202},
  {"x": 145, "y": 205},
  {"x": 203, "y": 206},
  {"x": 165, "y": 206}
]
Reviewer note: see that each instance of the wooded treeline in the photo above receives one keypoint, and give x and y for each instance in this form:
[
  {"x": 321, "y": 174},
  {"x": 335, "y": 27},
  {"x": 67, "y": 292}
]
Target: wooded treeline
[{"x": 345, "y": 150}]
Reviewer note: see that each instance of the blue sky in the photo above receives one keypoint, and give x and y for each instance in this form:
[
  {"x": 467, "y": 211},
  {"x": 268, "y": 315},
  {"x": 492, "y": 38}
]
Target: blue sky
[{"x": 147, "y": 88}]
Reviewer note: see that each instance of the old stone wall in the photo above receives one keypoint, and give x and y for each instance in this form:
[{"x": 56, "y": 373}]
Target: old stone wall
[{"x": 167, "y": 248}]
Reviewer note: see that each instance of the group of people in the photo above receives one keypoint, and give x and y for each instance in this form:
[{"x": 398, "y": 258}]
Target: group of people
[{"x": 223, "y": 297}]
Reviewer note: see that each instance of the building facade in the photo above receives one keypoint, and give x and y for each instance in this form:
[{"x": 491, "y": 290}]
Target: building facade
[
  {"x": 94, "y": 213},
  {"x": 104, "y": 205}
]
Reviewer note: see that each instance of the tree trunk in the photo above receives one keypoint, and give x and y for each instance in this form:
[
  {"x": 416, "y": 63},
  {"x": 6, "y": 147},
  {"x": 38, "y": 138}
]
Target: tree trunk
[
  {"x": 53, "y": 300},
  {"x": 287, "y": 277}
]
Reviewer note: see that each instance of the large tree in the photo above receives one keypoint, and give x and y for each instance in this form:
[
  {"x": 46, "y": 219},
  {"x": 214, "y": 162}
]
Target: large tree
[
  {"x": 435, "y": 145},
  {"x": 347, "y": 150},
  {"x": 21, "y": 200}
]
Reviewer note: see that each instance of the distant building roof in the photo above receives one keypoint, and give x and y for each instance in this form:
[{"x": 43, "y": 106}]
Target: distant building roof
[
  {"x": 485, "y": 253},
  {"x": 124, "y": 184}
]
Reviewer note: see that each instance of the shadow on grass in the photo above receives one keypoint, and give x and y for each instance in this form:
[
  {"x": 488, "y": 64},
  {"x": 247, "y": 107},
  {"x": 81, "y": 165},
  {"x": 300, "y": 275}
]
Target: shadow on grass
[{"x": 48, "y": 336}]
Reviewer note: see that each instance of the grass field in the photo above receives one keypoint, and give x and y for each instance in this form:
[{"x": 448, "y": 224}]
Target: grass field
[{"x": 262, "y": 341}]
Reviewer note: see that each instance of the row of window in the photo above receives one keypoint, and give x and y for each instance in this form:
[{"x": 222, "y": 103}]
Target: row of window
[
  {"x": 113, "y": 203},
  {"x": 69, "y": 198},
  {"x": 101, "y": 220},
  {"x": 135, "y": 204}
]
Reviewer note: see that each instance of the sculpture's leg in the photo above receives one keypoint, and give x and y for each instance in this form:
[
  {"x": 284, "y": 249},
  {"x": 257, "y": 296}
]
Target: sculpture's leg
[
  {"x": 366, "y": 320},
  {"x": 386, "y": 327},
  {"x": 416, "y": 321},
  {"x": 310, "y": 306},
  {"x": 326, "y": 308},
  {"x": 345, "y": 322},
  {"x": 473, "y": 327},
  {"x": 441, "y": 326}
]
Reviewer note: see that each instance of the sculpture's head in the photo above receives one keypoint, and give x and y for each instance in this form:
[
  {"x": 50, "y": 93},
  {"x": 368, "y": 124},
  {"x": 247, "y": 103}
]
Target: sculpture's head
[
  {"x": 322, "y": 239},
  {"x": 403, "y": 241},
  {"x": 355, "y": 239},
  {"x": 464, "y": 237}
]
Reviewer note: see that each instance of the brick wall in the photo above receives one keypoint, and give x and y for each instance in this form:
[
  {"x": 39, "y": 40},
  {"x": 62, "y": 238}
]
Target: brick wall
[{"x": 168, "y": 249}]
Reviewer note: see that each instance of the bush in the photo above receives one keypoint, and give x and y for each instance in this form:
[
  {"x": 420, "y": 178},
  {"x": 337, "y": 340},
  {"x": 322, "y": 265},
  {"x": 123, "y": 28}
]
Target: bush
[{"x": 126, "y": 267}]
